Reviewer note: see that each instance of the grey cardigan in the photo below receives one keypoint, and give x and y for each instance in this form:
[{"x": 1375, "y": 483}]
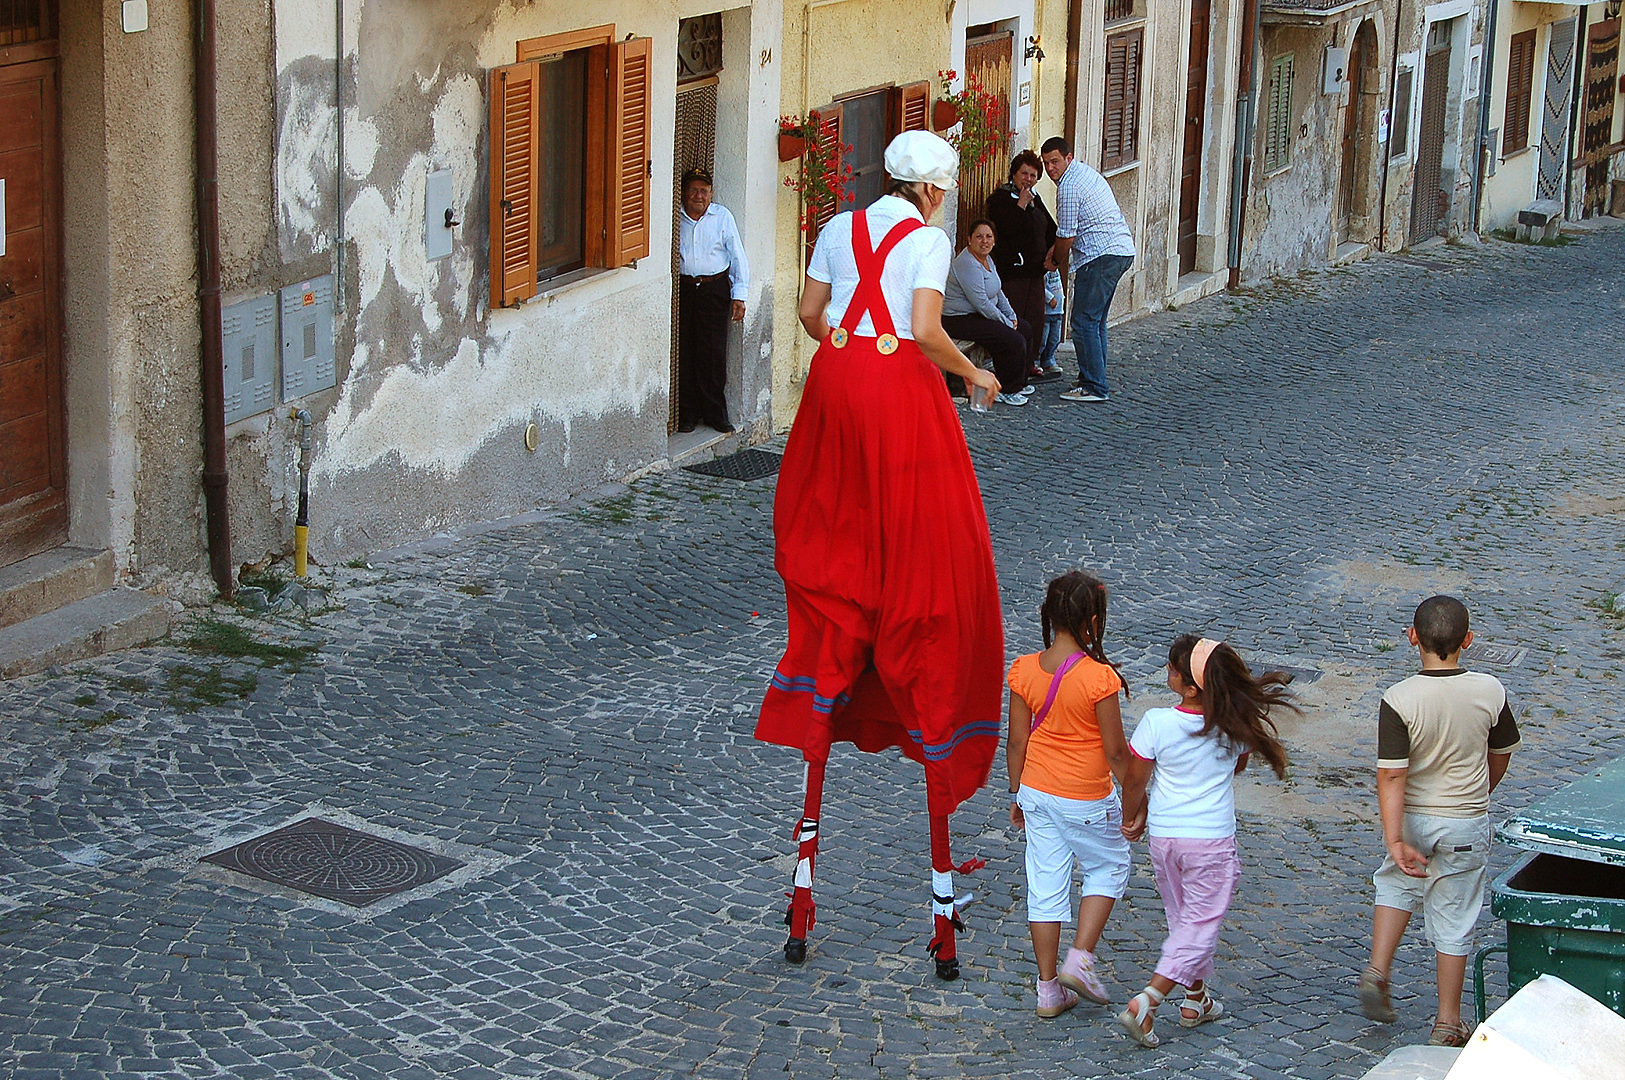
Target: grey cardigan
[{"x": 973, "y": 290}]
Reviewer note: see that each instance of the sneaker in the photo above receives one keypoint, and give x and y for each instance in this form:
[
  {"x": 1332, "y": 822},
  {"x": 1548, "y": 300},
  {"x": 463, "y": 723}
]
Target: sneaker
[
  {"x": 1077, "y": 393},
  {"x": 1051, "y": 369},
  {"x": 1079, "y": 974},
  {"x": 1011, "y": 399},
  {"x": 1374, "y": 999},
  {"x": 1054, "y": 999}
]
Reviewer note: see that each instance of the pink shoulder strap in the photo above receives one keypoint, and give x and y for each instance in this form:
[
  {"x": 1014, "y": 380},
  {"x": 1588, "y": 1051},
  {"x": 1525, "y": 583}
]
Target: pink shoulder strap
[{"x": 1054, "y": 686}]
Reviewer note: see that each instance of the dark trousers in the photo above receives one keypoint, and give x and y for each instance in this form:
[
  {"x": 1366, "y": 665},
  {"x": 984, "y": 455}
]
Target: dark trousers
[
  {"x": 703, "y": 310},
  {"x": 1007, "y": 345},
  {"x": 1026, "y": 295}
]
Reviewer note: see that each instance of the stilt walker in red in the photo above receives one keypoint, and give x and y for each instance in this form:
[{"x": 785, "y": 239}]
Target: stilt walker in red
[{"x": 879, "y": 532}]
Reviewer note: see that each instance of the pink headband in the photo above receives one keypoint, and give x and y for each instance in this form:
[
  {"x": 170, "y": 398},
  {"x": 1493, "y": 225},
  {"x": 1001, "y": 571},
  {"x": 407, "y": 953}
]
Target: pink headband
[{"x": 1199, "y": 655}]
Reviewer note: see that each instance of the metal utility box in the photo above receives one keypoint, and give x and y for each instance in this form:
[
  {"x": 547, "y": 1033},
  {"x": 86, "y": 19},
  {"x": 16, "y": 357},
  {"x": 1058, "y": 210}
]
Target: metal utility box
[
  {"x": 248, "y": 357},
  {"x": 307, "y": 338},
  {"x": 1564, "y": 902}
]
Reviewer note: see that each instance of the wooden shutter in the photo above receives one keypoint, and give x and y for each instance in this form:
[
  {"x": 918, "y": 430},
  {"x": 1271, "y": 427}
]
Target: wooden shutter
[
  {"x": 831, "y": 121},
  {"x": 1120, "y": 130},
  {"x": 514, "y": 129},
  {"x": 1278, "y": 117},
  {"x": 626, "y": 218},
  {"x": 1520, "y": 92},
  {"x": 911, "y": 107}
]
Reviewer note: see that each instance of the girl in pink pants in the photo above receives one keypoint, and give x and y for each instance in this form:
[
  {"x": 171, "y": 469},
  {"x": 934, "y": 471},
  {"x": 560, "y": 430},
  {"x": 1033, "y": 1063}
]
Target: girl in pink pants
[{"x": 1189, "y": 755}]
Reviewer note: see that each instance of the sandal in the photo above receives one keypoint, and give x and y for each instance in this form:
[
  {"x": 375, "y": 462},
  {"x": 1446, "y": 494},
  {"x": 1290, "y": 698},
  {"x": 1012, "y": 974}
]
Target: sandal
[
  {"x": 1198, "y": 1008},
  {"x": 1444, "y": 1034},
  {"x": 1374, "y": 999},
  {"x": 1139, "y": 1023}
]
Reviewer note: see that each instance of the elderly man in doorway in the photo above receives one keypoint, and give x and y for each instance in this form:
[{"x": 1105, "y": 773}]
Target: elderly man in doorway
[
  {"x": 715, "y": 279},
  {"x": 1092, "y": 239}
]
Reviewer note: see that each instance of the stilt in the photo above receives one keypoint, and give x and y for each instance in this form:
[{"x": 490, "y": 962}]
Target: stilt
[
  {"x": 800, "y": 917},
  {"x": 943, "y": 947}
]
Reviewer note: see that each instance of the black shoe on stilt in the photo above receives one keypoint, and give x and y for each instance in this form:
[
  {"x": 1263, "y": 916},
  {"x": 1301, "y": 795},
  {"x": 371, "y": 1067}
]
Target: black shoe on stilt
[{"x": 795, "y": 950}]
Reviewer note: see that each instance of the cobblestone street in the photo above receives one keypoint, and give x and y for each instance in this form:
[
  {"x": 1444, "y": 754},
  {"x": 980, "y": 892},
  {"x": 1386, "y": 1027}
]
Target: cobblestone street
[{"x": 565, "y": 701}]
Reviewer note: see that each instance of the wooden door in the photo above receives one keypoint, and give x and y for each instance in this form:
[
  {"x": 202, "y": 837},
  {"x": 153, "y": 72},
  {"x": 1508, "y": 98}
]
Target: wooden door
[
  {"x": 1190, "y": 163},
  {"x": 1427, "y": 197},
  {"x": 1597, "y": 129},
  {"x": 1554, "y": 124},
  {"x": 1353, "y": 124},
  {"x": 33, "y": 451},
  {"x": 988, "y": 61}
]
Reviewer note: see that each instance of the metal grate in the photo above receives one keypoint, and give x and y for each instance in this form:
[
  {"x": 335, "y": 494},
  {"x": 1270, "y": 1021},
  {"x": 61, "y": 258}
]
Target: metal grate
[
  {"x": 334, "y": 862},
  {"x": 1493, "y": 655},
  {"x": 745, "y": 465},
  {"x": 27, "y": 20}
]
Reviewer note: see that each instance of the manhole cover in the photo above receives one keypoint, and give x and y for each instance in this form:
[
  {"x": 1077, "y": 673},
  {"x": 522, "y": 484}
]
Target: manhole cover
[
  {"x": 1294, "y": 674},
  {"x": 1503, "y": 656},
  {"x": 745, "y": 465},
  {"x": 334, "y": 862}
]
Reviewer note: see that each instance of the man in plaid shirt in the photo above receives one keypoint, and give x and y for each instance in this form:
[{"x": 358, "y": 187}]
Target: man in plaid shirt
[{"x": 1095, "y": 242}]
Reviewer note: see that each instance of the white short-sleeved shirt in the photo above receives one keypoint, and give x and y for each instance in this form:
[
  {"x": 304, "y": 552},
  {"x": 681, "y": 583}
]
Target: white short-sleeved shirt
[
  {"x": 1191, "y": 793},
  {"x": 920, "y": 261}
]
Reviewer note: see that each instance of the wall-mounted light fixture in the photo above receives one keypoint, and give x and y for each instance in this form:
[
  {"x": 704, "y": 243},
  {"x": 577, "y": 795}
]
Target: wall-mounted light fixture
[{"x": 1034, "y": 50}]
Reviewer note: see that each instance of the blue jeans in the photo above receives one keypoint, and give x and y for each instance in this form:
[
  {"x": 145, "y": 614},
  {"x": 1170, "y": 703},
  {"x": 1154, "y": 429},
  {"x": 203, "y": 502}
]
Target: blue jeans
[
  {"x": 1051, "y": 339},
  {"x": 1092, "y": 290}
]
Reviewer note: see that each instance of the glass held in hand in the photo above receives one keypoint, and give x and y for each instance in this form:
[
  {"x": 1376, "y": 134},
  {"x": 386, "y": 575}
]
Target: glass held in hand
[{"x": 980, "y": 398}]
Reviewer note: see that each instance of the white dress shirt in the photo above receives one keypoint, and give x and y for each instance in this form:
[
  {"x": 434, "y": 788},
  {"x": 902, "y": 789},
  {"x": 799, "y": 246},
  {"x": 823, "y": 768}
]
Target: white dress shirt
[{"x": 710, "y": 246}]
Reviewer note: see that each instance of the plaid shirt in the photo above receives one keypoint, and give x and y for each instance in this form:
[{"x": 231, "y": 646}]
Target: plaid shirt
[{"x": 1086, "y": 212}]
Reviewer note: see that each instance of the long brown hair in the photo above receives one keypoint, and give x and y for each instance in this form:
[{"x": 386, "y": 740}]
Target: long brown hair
[
  {"x": 1235, "y": 702},
  {"x": 1076, "y": 603}
]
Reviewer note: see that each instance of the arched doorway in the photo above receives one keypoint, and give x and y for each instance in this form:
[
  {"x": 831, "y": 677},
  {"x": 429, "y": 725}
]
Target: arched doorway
[{"x": 1359, "y": 116}]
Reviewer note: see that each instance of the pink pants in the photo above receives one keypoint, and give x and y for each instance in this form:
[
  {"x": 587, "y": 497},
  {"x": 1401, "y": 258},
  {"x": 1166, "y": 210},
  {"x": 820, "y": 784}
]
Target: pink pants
[{"x": 1197, "y": 878}]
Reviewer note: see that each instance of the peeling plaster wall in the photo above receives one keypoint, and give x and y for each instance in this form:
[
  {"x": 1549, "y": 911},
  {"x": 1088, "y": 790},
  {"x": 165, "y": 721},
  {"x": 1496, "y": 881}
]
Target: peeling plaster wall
[{"x": 425, "y": 429}]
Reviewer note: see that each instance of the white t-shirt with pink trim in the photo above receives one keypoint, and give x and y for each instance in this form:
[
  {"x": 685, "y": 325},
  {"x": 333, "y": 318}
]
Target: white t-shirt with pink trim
[{"x": 1192, "y": 794}]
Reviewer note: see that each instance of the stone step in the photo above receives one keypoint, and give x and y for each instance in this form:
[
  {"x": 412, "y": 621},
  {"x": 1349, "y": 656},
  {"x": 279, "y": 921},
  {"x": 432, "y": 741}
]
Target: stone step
[
  {"x": 118, "y": 618},
  {"x": 50, "y": 580}
]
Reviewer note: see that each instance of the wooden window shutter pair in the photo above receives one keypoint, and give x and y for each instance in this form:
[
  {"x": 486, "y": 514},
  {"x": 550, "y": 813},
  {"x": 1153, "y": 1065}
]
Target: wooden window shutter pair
[
  {"x": 830, "y": 125},
  {"x": 1520, "y": 92},
  {"x": 617, "y": 196},
  {"x": 1120, "y": 130}
]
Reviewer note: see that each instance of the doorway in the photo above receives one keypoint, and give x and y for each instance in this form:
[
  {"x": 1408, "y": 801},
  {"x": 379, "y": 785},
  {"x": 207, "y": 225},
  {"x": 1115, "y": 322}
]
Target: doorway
[
  {"x": 1190, "y": 162},
  {"x": 699, "y": 67},
  {"x": 1363, "y": 79},
  {"x": 1429, "y": 204},
  {"x": 1602, "y": 69},
  {"x": 33, "y": 468},
  {"x": 1554, "y": 126},
  {"x": 989, "y": 57}
]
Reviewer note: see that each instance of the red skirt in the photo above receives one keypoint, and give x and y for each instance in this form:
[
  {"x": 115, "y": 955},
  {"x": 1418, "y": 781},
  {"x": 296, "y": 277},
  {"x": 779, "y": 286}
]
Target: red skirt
[{"x": 896, "y": 636}]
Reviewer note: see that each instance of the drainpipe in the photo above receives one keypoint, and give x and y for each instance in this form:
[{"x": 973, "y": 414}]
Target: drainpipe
[
  {"x": 338, "y": 164},
  {"x": 217, "y": 512},
  {"x": 1074, "y": 43},
  {"x": 1242, "y": 153},
  {"x": 1388, "y": 147},
  {"x": 301, "y": 522},
  {"x": 1484, "y": 147}
]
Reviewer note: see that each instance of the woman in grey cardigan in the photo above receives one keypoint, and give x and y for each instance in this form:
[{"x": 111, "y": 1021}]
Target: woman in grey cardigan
[{"x": 974, "y": 308}]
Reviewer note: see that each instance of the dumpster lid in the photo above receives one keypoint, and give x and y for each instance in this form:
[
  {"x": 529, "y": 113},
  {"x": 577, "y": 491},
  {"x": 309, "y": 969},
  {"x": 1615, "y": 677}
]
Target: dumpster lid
[{"x": 1583, "y": 820}]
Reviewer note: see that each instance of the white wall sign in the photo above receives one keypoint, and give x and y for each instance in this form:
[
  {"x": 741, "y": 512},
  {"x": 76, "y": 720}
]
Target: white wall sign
[
  {"x": 1384, "y": 120},
  {"x": 135, "y": 16}
]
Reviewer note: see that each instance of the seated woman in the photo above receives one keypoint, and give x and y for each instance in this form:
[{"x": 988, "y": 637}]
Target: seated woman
[{"x": 974, "y": 308}]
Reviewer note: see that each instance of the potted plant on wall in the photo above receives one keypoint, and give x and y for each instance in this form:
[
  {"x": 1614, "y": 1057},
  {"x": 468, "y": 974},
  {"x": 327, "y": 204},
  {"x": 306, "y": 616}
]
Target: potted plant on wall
[
  {"x": 822, "y": 175},
  {"x": 974, "y": 110}
]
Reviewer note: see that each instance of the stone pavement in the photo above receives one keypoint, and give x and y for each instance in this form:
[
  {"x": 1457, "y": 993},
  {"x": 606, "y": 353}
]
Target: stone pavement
[{"x": 568, "y": 699}]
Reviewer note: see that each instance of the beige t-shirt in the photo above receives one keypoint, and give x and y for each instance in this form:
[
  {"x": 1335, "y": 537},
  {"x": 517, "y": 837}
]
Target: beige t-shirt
[{"x": 1442, "y": 726}]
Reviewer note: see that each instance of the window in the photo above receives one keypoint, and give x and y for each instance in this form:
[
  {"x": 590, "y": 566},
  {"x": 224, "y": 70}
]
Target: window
[
  {"x": 570, "y": 161},
  {"x": 1399, "y": 141},
  {"x": 1118, "y": 10},
  {"x": 867, "y": 123},
  {"x": 1520, "y": 91},
  {"x": 1278, "y": 116},
  {"x": 1120, "y": 131}
]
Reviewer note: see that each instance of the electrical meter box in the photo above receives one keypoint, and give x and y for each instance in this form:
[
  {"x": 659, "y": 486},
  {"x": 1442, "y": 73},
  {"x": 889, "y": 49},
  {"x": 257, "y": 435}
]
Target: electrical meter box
[
  {"x": 307, "y": 337},
  {"x": 248, "y": 356}
]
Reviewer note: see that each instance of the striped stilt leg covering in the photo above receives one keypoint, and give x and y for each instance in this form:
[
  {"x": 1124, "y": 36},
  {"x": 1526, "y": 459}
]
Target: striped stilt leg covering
[
  {"x": 943, "y": 947},
  {"x": 801, "y": 913}
]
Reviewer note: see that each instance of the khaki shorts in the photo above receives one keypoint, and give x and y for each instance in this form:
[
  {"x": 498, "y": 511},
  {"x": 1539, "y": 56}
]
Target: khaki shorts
[{"x": 1458, "y": 851}]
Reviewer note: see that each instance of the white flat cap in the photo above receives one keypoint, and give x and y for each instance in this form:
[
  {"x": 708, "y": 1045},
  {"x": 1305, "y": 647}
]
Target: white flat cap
[{"x": 920, "y": 155}]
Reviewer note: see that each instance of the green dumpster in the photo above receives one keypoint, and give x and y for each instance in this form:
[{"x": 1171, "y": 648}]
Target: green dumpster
[{"x": 1564, "y": 902}]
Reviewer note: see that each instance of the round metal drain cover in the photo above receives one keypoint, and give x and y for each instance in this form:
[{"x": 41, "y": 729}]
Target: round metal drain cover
[{"x": 329, "y": 860}]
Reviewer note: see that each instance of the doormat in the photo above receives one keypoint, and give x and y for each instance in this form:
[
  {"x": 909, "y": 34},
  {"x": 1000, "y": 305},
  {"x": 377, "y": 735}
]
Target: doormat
[
  {"x": 334, "y": 862},
  {"x": 745, "y": 465}
]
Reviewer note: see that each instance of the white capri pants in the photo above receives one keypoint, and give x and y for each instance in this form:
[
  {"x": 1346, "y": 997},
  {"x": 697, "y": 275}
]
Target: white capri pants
[{"x": 1061, "y": 830}]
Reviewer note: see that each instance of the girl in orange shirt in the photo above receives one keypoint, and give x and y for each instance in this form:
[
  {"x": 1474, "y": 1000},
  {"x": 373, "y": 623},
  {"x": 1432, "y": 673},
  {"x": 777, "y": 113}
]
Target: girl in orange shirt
[{"x": 1066, "y": 744}]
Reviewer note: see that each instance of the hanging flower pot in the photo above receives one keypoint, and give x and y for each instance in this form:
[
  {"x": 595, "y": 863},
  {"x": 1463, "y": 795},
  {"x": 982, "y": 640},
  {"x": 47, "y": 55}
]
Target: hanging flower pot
[
  {"x": 944, "y": 115},
  {"x": 791, "y": 146}
]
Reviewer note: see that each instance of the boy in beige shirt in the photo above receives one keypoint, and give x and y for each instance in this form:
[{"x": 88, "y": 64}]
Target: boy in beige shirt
[{"x": 1444, "y": 739}]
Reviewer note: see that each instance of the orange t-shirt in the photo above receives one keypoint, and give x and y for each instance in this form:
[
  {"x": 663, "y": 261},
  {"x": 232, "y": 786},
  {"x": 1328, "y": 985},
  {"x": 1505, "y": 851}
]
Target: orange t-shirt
[{"x": 1065, "y": 756}]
